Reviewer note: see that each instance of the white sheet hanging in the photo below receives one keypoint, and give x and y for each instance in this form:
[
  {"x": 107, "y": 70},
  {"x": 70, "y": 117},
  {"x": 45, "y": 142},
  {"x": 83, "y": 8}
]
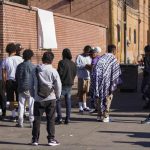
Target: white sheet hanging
[{"x": 46, "y": 30}]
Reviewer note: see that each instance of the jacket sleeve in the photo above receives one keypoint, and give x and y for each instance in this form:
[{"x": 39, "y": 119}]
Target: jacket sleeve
[
  {"x": 33, "y": 83},
  {"x": 17, "y": 74},
  {"x": 57, "y": 85},
  {"x": 79, "y": 63},
  {"x": 75, "y": 70},
  {"x": 60, "y": 69}
]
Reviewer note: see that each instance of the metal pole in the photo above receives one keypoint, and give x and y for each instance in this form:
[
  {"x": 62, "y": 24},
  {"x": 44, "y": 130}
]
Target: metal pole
[{"x": 125, "y": 32}]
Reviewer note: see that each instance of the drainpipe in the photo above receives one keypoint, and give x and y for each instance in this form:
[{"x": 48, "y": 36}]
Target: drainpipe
[
  {"x": 111, "y": 22},
  {"x": 139, "y": 21},
  {"x": 125, "y": 32}
]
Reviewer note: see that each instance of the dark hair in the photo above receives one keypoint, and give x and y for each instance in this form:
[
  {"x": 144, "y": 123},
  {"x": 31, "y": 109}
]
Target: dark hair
[
  {"x": 18, "y": 48},
  {"x": 67, "y": 54},
  {"x": 87, "y": 49},
  {"x": 147, "y": 48},
  {"x": 111, "y": 48},
  {"x": 10, "y": 48},
  {"x": 27, "y": 54},
  {"x": 48, "y": 57}
]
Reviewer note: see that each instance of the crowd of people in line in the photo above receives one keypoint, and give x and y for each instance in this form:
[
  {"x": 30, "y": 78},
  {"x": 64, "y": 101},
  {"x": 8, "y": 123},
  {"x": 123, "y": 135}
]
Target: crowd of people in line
[{"x": 43, "y": 86}]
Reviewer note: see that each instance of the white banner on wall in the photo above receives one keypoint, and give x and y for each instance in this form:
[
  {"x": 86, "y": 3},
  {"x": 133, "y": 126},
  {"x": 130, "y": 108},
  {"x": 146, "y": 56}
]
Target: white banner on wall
[{"x": 46, "y": 30}]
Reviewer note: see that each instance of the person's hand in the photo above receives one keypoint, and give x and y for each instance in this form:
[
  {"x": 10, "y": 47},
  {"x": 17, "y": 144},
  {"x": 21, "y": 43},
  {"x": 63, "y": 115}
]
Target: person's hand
[{"x": 88, "y": 66}]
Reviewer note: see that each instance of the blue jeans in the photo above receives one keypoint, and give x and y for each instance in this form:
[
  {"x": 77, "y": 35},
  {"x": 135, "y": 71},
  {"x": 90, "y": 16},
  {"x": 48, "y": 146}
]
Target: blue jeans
[{"x": 66, "y": 92}]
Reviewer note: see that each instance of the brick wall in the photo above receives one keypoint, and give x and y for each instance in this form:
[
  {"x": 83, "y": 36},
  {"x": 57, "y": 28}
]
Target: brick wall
[
  {"x": 1, "y": 30},
  {"x": 75, "y": 34},
  {"x": 20, "y": 25},
  {"x": 90, "y": 10}
]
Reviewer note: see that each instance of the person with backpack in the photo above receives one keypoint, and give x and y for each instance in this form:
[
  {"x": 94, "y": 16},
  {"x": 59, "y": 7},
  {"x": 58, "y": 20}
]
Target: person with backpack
[
  {"x": 23, "y": 79},
  {"x": 67, "y": 72},
  {"x": 47, "y": 88}
]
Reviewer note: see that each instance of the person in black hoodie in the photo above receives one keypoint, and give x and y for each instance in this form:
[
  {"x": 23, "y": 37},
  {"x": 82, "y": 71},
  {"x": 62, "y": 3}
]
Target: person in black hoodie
[
  {"x": 146, "y": 82},
  {"x": 145, "y": 87},
  {"x": 67, "y": 72}
]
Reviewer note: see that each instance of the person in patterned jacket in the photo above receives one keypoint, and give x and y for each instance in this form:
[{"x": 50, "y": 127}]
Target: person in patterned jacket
[{"x": 104, "y": 81}]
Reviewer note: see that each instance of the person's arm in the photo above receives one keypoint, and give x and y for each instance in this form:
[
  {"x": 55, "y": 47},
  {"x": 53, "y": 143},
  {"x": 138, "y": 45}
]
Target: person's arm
[
  {"x": 57, "y": 85},
  {"x": 75, "y": 71},
  {"x": 4, "y": 75},
  {"x": 33, "y": 83},
  {"x": 60, "y": 69},
  {"x": 79, "y": 63},
  {"x": 17, "y": 74}
]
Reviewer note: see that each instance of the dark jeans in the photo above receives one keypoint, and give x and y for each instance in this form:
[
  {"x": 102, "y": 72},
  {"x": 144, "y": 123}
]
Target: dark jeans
[
  {"x": 39, "y": 108},
  {"x": 66, "y": 92},
  {"x": 11, "y": 88},
  {"x": 3, "y": 105}
]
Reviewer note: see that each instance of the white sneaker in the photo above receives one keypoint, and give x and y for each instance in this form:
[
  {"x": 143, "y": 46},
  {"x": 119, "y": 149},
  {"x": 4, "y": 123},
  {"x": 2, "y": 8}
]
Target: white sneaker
[
  {"x": 53, "y": 142},
  {"x": 106, "y": 119},
  {"x": 34, "y": 142}
]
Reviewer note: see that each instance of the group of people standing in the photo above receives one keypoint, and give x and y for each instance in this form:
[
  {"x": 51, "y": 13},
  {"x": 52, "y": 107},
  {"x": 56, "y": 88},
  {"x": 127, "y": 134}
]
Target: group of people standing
[
  {"x": 43, "y": 86},
  {"x": 98, "y": 76}
]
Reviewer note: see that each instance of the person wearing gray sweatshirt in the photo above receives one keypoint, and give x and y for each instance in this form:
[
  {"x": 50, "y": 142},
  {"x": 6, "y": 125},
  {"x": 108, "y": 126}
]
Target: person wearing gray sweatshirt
[{"x": 45, "y": 77}]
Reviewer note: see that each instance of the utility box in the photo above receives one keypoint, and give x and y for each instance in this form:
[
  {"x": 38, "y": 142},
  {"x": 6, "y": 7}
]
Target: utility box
[{"x": 129, "y": 77}]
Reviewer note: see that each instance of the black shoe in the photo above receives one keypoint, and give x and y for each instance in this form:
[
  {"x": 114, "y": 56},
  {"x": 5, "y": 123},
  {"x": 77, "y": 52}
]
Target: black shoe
[
  {"x": 13, "y": 119},
  {"x": 67, "y": 121},
  {"x": 86, "y": 109},
  {"x": 58, "y": 121},
  {"x": 3, "y": 117},
  {"x": 146, "y": 107},
  {"x": 19, "y": 125},
  {"x": 146, "y": 121}
]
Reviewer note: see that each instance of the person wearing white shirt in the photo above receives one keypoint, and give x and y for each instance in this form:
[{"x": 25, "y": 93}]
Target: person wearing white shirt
[
  {"x": 9, "y": 66},
  {"x": 82, "y": 62}
]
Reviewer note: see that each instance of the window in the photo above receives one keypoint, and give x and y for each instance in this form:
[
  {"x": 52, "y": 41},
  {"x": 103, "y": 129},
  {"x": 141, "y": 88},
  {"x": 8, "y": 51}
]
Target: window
[
  {"x": 118, "y": 32},
  {"x": 148, "y": 36},
  {"x": 130, "y": 34},
  {"x": 24, "y": 2},
  {"x": 134, "y": 36}
]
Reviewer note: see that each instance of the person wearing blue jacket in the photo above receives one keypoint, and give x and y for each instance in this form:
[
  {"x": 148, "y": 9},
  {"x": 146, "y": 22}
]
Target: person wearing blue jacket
[{"x": 23, "y": 80}]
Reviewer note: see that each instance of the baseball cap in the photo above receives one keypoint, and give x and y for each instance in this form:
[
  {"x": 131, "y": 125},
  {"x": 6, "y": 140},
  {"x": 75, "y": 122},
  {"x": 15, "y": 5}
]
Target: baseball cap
[
  {"x": 98, "y": 49},
  {"x": 95, "y": 50}
]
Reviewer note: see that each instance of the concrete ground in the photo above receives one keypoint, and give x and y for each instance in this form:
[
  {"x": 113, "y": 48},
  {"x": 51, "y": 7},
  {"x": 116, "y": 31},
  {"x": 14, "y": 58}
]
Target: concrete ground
[{"x": 85, "y": 133}]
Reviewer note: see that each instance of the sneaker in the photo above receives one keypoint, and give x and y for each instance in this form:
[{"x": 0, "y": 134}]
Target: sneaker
[
  {"x": 31, "y": 124},
  {"x": 81, "y": 110},
  {"x": 19, "y": 125},
  {"x": 93, "y": 111},
  {"x": 35, "y": 142},
  {"x": 106, "y": 119},
  {"x": 86, "y": 109},
  {"x": 3, "y": 117},
  {"x": 67, "y": 121},
  {"x": 53, "y": 142},
  {"x": 146, "y": 121},
  {"x": 13, "y": 119},
  {"x": 58, "y": 121}
]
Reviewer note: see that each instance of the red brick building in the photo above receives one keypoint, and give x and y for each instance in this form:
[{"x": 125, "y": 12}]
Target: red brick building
[
  {"x": 18, "y": 23},
  {"x": 111, "y": 14}
]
